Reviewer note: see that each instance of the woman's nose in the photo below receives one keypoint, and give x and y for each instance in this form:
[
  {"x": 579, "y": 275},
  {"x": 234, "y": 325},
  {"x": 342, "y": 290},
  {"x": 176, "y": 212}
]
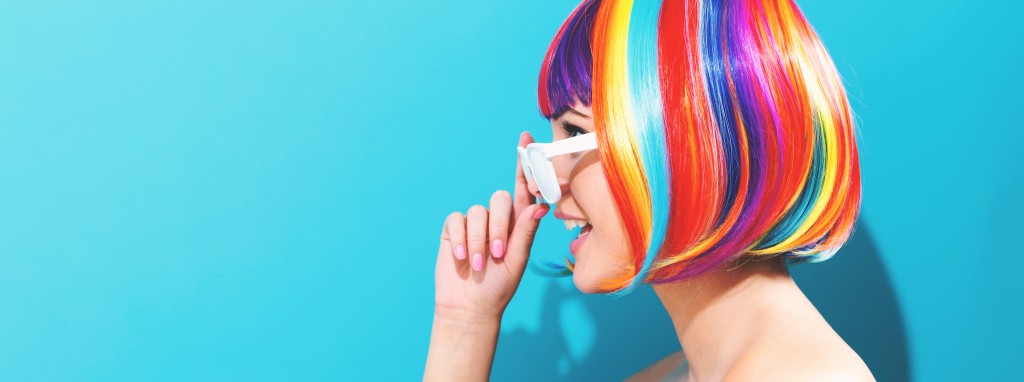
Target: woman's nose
[
  {"x": 563, "y": 185},
  {"x": 533, "y": 188},
  {"x": 561, "y": 174},
  {"x": 563, "y": 167}
]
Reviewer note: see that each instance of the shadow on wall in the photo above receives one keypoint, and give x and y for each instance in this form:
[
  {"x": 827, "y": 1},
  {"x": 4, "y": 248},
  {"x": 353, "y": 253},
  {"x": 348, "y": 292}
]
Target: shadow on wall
[
  {"x": 628, "y": 334},
  {"x": 852, "y": 290}
]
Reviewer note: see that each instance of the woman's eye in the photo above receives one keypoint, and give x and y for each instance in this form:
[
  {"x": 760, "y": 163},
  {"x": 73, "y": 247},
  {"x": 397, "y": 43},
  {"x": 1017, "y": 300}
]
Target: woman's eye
[{"x": 572, "y": 130}]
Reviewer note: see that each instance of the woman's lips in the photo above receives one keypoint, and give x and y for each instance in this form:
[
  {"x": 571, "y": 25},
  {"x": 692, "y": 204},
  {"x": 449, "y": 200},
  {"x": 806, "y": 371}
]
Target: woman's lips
[
  {"x": 576, "y": 243},
  {"x": 564, "y": 216}
]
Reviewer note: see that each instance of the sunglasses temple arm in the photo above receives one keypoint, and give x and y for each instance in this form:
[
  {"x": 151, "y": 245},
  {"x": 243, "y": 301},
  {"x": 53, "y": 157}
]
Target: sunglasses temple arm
[{"x": 566, "y": 146}]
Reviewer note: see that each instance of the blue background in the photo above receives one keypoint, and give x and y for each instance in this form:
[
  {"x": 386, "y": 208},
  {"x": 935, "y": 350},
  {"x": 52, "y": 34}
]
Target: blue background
[{"x": 254, "y": 190}]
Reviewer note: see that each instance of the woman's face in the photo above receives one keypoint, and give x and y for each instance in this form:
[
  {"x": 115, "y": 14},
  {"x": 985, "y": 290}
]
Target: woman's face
[{"x": 603, "y": 253}]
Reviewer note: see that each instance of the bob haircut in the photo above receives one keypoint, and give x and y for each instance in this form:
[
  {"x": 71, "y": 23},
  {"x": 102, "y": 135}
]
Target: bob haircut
[{"x": 723, "y": 128}]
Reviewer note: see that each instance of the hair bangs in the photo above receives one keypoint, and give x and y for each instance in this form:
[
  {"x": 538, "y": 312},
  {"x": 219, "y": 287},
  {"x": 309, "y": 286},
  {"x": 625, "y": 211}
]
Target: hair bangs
[{"x": 565, "y": 75}]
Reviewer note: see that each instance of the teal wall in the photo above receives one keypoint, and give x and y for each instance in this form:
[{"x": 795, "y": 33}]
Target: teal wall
[{"x": 254, "y": 190}]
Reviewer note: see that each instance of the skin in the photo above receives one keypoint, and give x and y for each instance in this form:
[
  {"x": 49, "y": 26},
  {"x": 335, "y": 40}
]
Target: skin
[
  {"x": 747, "y": 320},
  {"x": 604, "y": 255}
]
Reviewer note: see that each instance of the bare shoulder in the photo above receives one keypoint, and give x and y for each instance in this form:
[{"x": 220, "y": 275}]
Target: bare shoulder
[
  {"x": 800, "y": 358},
  {"x": 671, "y": 368}
]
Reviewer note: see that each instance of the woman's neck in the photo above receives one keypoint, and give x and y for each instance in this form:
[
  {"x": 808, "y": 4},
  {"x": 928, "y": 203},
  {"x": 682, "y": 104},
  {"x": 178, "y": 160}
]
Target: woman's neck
[{"x": 719, "y": 314}]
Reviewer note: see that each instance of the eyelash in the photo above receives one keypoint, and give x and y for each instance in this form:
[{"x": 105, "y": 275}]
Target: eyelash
[{"x": 570, "y": 129}]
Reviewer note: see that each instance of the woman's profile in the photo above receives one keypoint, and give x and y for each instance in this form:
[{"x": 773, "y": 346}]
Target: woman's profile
[{"x": 699, "y": 147}]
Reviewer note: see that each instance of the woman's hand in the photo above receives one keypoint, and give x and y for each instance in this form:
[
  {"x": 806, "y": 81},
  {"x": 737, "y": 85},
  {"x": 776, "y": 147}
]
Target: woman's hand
[
  {"x": 479, "y": 265},
  {"x": 483, "y": 252}
]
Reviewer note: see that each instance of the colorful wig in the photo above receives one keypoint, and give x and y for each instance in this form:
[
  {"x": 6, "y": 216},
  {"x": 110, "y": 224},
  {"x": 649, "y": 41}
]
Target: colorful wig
[{"x": 723, "y": 128}]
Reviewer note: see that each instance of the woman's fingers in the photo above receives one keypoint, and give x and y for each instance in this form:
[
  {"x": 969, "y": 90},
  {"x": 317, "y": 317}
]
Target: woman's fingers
[
  {"x": 499, "y": 218},
  {"x": 522, "y": 196},
  {"x": 455, "y": 233},
  {"x": 481, "y": 231},
  {"x": 522, "y": 236},
  {"x": 476, "y": 236}
]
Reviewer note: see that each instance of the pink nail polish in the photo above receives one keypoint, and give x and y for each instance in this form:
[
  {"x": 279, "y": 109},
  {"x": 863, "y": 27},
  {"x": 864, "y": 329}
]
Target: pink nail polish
[
  {"x": 477, "y": 262},
  {"x": 540, "y": 213},
  {"x": 460, "y": 252},
  {"x": 498, "y": 248}
]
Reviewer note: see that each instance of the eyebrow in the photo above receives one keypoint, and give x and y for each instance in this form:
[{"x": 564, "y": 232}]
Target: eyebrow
[{"x": 571, "y": 110}]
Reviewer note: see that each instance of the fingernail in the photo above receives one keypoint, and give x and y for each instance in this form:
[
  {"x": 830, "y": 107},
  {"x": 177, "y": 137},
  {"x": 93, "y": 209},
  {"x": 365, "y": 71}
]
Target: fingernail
[
  {"x": 460, "y": 252},
  {"x": 521, "y": 135},
  {"x": 498, "y": 248},
  {"x": 477, "y": 262},
  {"x": 540, "y": 213}
]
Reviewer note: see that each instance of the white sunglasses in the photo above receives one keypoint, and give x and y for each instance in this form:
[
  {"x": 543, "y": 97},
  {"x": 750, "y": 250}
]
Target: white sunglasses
[{"x": 536, "y": 158}]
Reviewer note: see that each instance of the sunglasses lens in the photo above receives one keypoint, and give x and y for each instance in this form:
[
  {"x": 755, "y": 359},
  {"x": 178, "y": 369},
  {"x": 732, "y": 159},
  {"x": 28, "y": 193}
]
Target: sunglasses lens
[
  {"x": 527, "y": 167},
  {"x": 544, "y": 175}
]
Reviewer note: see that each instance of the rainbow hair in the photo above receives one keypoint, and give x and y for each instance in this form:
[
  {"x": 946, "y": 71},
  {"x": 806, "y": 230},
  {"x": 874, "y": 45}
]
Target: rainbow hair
[{"x": 723, "y": 128}]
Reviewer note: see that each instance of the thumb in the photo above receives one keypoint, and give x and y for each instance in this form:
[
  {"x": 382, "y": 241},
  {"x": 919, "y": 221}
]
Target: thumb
[{"x": 521, "y": 239}]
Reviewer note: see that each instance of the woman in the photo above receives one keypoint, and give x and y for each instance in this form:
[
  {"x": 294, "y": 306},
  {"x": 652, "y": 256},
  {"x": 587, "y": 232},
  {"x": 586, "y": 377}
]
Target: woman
[{"x": 701, "y": 146}]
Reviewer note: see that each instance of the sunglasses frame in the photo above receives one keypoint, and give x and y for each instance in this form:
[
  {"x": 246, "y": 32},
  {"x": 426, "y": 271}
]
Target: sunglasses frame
[{"x": 536, "y": 162}]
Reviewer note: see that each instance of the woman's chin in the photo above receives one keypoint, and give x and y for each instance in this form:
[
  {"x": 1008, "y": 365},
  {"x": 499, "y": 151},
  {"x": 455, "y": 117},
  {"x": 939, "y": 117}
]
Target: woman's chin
[
  {"x": 591, "y": 280},
  {"x": 584, "y": 282}
]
